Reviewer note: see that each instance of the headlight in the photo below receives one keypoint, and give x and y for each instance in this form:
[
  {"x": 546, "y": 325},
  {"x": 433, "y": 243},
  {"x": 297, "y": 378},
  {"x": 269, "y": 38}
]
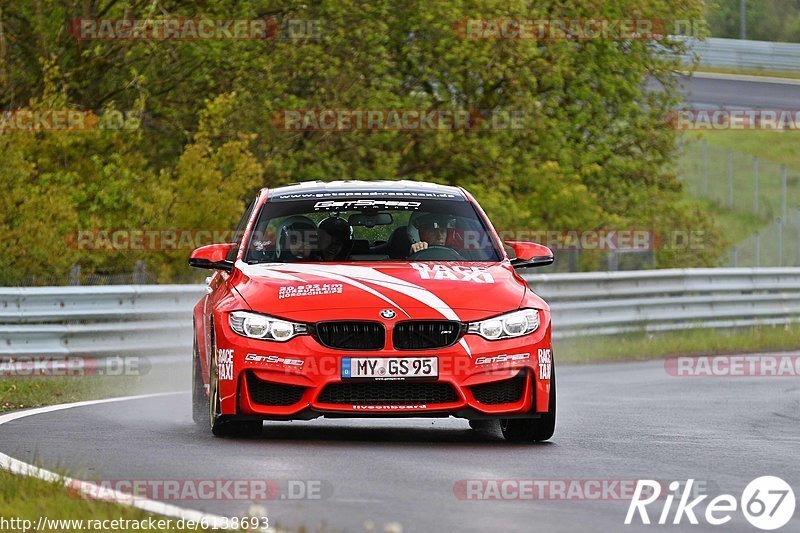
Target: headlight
[
  {"x": 515, "y": 324},
  {"x": 264, "y": 327}
]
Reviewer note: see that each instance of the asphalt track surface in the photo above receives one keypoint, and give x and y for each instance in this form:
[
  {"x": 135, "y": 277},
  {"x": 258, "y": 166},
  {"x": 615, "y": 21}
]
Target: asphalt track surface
[
  {"x": 616, "y": 422},
  {"x": 741, "y": 92}
]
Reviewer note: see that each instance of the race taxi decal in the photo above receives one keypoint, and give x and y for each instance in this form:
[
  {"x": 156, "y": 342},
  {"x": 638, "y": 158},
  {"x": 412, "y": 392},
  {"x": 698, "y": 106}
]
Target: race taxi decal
[
  {"x": 503, "y": 358},
  {"x": 545, "y": 363},
  {"x": 225, "y": 363},
  {"x": 474, "y": 274},
  {"x": 273, "y": 360},
  {"x": 311, "y": 289}
]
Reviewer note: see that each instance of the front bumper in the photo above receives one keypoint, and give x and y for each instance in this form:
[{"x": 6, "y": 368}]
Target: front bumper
[{"x": 301, "y": 379}]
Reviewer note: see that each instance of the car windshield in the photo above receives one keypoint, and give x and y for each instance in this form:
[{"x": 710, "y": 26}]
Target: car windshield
[{"x": 385, "y": 229}]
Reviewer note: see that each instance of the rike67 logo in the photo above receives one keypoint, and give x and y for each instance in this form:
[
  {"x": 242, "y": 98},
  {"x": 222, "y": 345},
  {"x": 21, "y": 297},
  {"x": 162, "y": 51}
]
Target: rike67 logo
[{"x": 767, "y": 502}]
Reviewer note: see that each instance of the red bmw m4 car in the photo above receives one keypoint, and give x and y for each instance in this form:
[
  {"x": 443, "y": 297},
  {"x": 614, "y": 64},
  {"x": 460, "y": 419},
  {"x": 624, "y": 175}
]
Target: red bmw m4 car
[{"x": 372, "y": 299}]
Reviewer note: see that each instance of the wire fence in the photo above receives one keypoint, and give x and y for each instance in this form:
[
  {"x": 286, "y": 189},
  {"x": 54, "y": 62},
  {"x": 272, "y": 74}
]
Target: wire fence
[
  {"x": 738, "y": 181},
  {"x": 761, "y": 194},
  {"x": 777, "y": 244},
  {"x": 140, "y": 276}
]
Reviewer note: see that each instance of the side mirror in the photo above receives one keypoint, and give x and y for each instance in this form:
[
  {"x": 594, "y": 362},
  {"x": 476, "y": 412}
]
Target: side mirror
[
  {"x": 213, "y": 256},
  {"x": 530, "y": 254}
]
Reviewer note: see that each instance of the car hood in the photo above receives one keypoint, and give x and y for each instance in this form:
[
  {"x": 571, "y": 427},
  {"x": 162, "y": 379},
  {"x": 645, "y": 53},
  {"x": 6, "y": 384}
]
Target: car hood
[{"x": 453, "y": 290}]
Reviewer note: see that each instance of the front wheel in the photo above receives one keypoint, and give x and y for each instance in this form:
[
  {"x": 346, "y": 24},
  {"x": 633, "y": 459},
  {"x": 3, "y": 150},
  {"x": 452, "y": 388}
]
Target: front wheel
[
  {"x": 533, "y": 429},
  {"x": 225, "y": 425},
  {"x": 199, "y": 398}
]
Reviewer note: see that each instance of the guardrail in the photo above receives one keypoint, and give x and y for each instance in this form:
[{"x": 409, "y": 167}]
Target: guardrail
[
  {"x": 608, "y": 303},
  {"x": 736, "y": 53},
  {"x": 155, "y": 320},
  {"x": 152, "y": 320}
]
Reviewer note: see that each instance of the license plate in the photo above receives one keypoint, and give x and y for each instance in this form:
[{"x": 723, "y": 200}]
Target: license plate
[{"x": 390, "y": 367}]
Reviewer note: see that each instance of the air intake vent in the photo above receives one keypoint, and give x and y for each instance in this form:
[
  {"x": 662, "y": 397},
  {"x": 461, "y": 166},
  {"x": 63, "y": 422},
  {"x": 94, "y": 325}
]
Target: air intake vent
[
  {"x": 276, "y": 394},
  {"x": 388, "y": 393},
  {"x": 497, "y": 392},
  {"x": 351, "y": 335},
  {"x": 426, "y": 335}
]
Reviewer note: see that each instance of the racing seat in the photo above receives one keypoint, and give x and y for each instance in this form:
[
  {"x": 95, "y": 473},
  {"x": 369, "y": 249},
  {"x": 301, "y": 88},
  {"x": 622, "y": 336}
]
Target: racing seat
[
  {"x": 399, "y": 245},
  {"x": 359, "y": 246}
]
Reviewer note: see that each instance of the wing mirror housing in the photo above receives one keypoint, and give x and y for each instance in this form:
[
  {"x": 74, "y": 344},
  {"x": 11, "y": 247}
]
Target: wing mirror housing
[
  {"x": 213, "y": 257},
  {"x": 530, "y": 254}
]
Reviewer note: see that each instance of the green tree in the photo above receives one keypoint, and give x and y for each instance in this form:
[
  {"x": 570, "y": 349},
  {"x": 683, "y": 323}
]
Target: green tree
[
  {"x": 593, "y": 152},
  {"x": 767, "y": 20}
]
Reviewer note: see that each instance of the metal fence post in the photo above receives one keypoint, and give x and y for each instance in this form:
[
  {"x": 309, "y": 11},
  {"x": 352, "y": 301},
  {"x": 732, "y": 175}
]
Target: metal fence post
[
  {"x": 755, "y": 185},
  {"x": 705, "y": 168},
  {"x": 743, "y": 19},
  {"x": 783, "y": 189},
  {"x": 797, "y": 247},
  {"x": 613, "y": 261},
  {"x": 140, "y": 273},
  {"x": 573, "y": 260},
  {"x": 75, "y": 275},
  {"x": 758, "y": 249},
  {"x": 780, "y": 242},
  {"x": 730, "y": 179}
]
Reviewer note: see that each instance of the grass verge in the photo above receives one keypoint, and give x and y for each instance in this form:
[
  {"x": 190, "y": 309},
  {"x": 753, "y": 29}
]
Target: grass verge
[
  {"x": 26, "y": 392},
  {"x": 641, "y": 346},
  {"x": 26, "y": 499},
  {"x": 775, "y": 146}
]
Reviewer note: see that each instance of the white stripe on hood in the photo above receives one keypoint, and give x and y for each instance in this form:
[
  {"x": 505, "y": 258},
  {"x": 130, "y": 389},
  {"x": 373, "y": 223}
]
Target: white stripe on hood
[{"x": 350, "y": 273}]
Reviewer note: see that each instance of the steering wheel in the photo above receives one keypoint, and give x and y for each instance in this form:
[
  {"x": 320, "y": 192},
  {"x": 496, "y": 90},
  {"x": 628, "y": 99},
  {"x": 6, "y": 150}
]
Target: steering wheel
[{"x": 436, "y": 253}]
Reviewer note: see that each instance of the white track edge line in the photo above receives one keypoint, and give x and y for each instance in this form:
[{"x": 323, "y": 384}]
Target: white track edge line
[
  {"x": 746, "y": 77},
  {"x": 101, "y": 493}
]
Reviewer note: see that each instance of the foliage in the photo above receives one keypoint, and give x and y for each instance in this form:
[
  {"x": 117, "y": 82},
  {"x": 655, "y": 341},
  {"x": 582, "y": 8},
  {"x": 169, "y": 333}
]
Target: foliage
[
  {"x": 767, "y": 20},
  {"x": 594, "y": 151}
]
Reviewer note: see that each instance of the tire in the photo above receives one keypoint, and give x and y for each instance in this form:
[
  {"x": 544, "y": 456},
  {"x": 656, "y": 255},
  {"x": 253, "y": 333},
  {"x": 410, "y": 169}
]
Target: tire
[
  {"x": 482, "y": 425},
  {"x": 199, "y": 398},
  {"x": 533, "y": 429},
  {"x": 224, "y": 425}
]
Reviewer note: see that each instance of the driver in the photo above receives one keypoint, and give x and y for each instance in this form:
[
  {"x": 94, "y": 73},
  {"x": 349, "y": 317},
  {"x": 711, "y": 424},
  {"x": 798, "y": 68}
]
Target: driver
[{"x": 432, "y": 229}]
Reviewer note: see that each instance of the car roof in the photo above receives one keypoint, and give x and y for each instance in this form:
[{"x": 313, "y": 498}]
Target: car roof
[{"x": 365, "y": 189}]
